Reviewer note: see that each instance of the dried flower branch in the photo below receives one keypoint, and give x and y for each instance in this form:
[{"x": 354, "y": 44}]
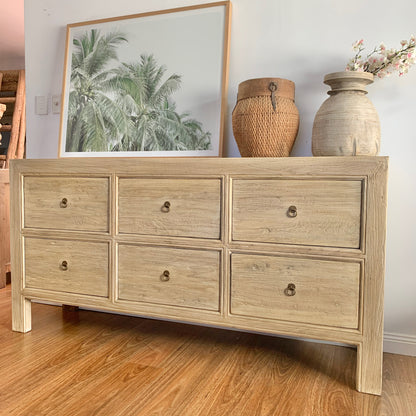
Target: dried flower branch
[{"x": 382, "y": 62}]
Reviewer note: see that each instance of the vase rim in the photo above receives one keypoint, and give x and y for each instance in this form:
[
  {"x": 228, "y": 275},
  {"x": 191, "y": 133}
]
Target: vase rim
[
  {"x": 349, "y": 74},
  {"x": 261, "y": 87},
  {"x": 265, "y": 79}
]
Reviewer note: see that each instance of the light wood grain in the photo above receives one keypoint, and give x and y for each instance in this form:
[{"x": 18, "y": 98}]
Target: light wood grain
[
  {"x": 306, "y": 167},
  {"x": 194, "y": 207},
  {"x": 21, "y": 305},
  {"x": 17, "y": 120},
  {"x": 344, "y": 257},
  {"x": 13, "y": 83},
  {"x": 85, "y": 272},
  {"x": 192, "y": 279},
  {"x": 326, "y": 292},
  {"x": 328, "y": 213},
  {"x": 7, "y": 100},
  {"x": 2, "y": 128},
  {"x": 21, "y": 141},
  {"x": 92, "y": 363},
  {"x": 370, "y": 351},
  {"x": 86, "y": 209},
  {"x": 4, "y": 225}
]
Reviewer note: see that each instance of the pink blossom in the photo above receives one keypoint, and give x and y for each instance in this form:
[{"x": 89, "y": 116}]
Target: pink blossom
[{"x": 382, "y": 62}]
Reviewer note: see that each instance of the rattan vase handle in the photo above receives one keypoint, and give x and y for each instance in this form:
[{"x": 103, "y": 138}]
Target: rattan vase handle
[{"x": 272, "y": 89}]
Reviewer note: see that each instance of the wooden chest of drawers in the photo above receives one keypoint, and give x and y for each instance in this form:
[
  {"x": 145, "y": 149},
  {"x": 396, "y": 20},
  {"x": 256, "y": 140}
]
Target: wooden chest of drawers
[{"x": 291, "y": 246}]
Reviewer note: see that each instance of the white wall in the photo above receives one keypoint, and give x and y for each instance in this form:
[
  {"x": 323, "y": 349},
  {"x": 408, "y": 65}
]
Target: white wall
[{"x": 300, "y": 40}]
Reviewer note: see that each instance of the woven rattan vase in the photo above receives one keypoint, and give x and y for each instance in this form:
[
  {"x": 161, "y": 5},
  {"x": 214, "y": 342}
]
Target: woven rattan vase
[{"x": 265, "y": 118}]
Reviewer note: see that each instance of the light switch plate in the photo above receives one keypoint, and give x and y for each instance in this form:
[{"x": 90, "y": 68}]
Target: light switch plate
[
  {"x": 56, "y": 104},
  {"x": 41, "y": 105}
]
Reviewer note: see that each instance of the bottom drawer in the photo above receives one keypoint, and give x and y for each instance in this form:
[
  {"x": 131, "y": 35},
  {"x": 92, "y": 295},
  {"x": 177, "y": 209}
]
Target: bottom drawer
[
  {"x": 312, "y": 291},
  {"x": 66, "y": 266},
  {"x": 169, "y": 276}
]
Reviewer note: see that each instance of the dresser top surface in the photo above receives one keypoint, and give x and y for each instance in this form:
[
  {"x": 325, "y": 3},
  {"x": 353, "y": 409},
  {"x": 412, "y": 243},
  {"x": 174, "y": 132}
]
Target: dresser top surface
[{"x": 322, "y": 166}]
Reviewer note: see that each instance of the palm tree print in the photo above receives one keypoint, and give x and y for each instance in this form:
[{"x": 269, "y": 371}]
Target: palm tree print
[
  {"x": 128, "y": 107},
  {"x": 92, "y": 115},
  {"x": 155, "y": 123}
]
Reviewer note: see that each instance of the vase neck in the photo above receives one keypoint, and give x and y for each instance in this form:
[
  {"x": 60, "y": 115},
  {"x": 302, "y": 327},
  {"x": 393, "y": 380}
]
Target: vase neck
[
  {"x": 339, "y": 90},
  {"x": 348, "y": 81}
]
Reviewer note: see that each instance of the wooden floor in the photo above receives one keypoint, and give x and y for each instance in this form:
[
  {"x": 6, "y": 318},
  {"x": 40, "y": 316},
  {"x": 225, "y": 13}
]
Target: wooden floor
[{"x": 91, "y": 363}]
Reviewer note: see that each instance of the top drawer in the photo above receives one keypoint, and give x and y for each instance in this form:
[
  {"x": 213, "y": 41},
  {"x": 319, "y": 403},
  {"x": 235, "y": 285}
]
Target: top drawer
[
  {"x": 307, "y": 212},
  {"x": 170, "y": 207},
  {"x": 79, "y": 204}
]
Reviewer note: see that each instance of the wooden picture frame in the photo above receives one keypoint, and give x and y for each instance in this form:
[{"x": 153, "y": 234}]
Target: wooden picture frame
[{"x": 150, "y": 84}]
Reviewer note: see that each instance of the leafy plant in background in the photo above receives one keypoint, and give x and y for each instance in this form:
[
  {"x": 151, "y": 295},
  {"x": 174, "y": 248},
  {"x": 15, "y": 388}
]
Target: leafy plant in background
[
  {"x": 383, "y": 62},
  {"x": 155, "y": 124},
  {"x": 127, "y": 107},
  {"x": 92, "y": 115}
]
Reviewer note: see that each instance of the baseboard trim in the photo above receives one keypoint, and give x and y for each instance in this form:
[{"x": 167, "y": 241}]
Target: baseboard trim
[{"x": 399, "y": 344}]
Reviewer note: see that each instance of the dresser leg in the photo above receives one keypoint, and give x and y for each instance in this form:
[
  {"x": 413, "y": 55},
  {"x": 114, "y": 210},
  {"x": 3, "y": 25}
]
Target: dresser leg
[
  {"x": 70, "y": 313},
  {"x": 69, "y": 308},
  {"x": 369, "y": 367},
  {"x": 21, "y": 313}
]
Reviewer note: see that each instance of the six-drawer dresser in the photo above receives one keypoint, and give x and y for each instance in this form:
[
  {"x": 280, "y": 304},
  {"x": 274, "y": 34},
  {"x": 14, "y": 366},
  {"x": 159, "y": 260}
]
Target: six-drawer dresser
[{"x": 289, "y": 246}]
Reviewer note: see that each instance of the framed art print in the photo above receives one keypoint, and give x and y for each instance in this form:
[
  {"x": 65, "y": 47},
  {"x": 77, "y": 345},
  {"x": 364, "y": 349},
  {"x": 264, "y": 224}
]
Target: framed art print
[{"x": 150, "y": 84}]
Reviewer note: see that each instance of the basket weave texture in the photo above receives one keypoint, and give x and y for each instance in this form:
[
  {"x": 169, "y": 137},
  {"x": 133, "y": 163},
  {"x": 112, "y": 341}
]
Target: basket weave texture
[{"x": 259, "y": 129}]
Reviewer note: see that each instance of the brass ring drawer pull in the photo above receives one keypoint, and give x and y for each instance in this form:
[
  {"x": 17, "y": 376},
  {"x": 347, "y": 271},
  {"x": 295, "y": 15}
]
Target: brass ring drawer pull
[
  {"x": 165, "y": 276},
  {"x": 64, "y": 265},
  {"x": 166, "y": 206},
  {"x": 292, "y": 211},
  {"x": 64, "y": 203},
  {"x": 290, "y": 290}
]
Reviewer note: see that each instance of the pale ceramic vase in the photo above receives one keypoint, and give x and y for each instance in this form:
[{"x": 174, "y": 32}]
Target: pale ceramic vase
[{"x": 347, "y": 123}]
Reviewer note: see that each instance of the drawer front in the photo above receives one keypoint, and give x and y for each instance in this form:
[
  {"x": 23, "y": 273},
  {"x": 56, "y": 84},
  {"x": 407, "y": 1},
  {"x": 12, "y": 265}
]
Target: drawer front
[
  {"x": 169, "y": 276},
  {"x": 67, "y": 266},
  {"x": 306, "y": 212},
  {"x": 80, "y": 204},
  {"x": 170, "y": 207},
  {"x": 312, "y": 291}
]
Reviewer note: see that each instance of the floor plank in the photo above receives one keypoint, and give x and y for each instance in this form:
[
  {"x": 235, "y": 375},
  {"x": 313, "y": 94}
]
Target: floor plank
[{"x": 84, "y": 363}]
